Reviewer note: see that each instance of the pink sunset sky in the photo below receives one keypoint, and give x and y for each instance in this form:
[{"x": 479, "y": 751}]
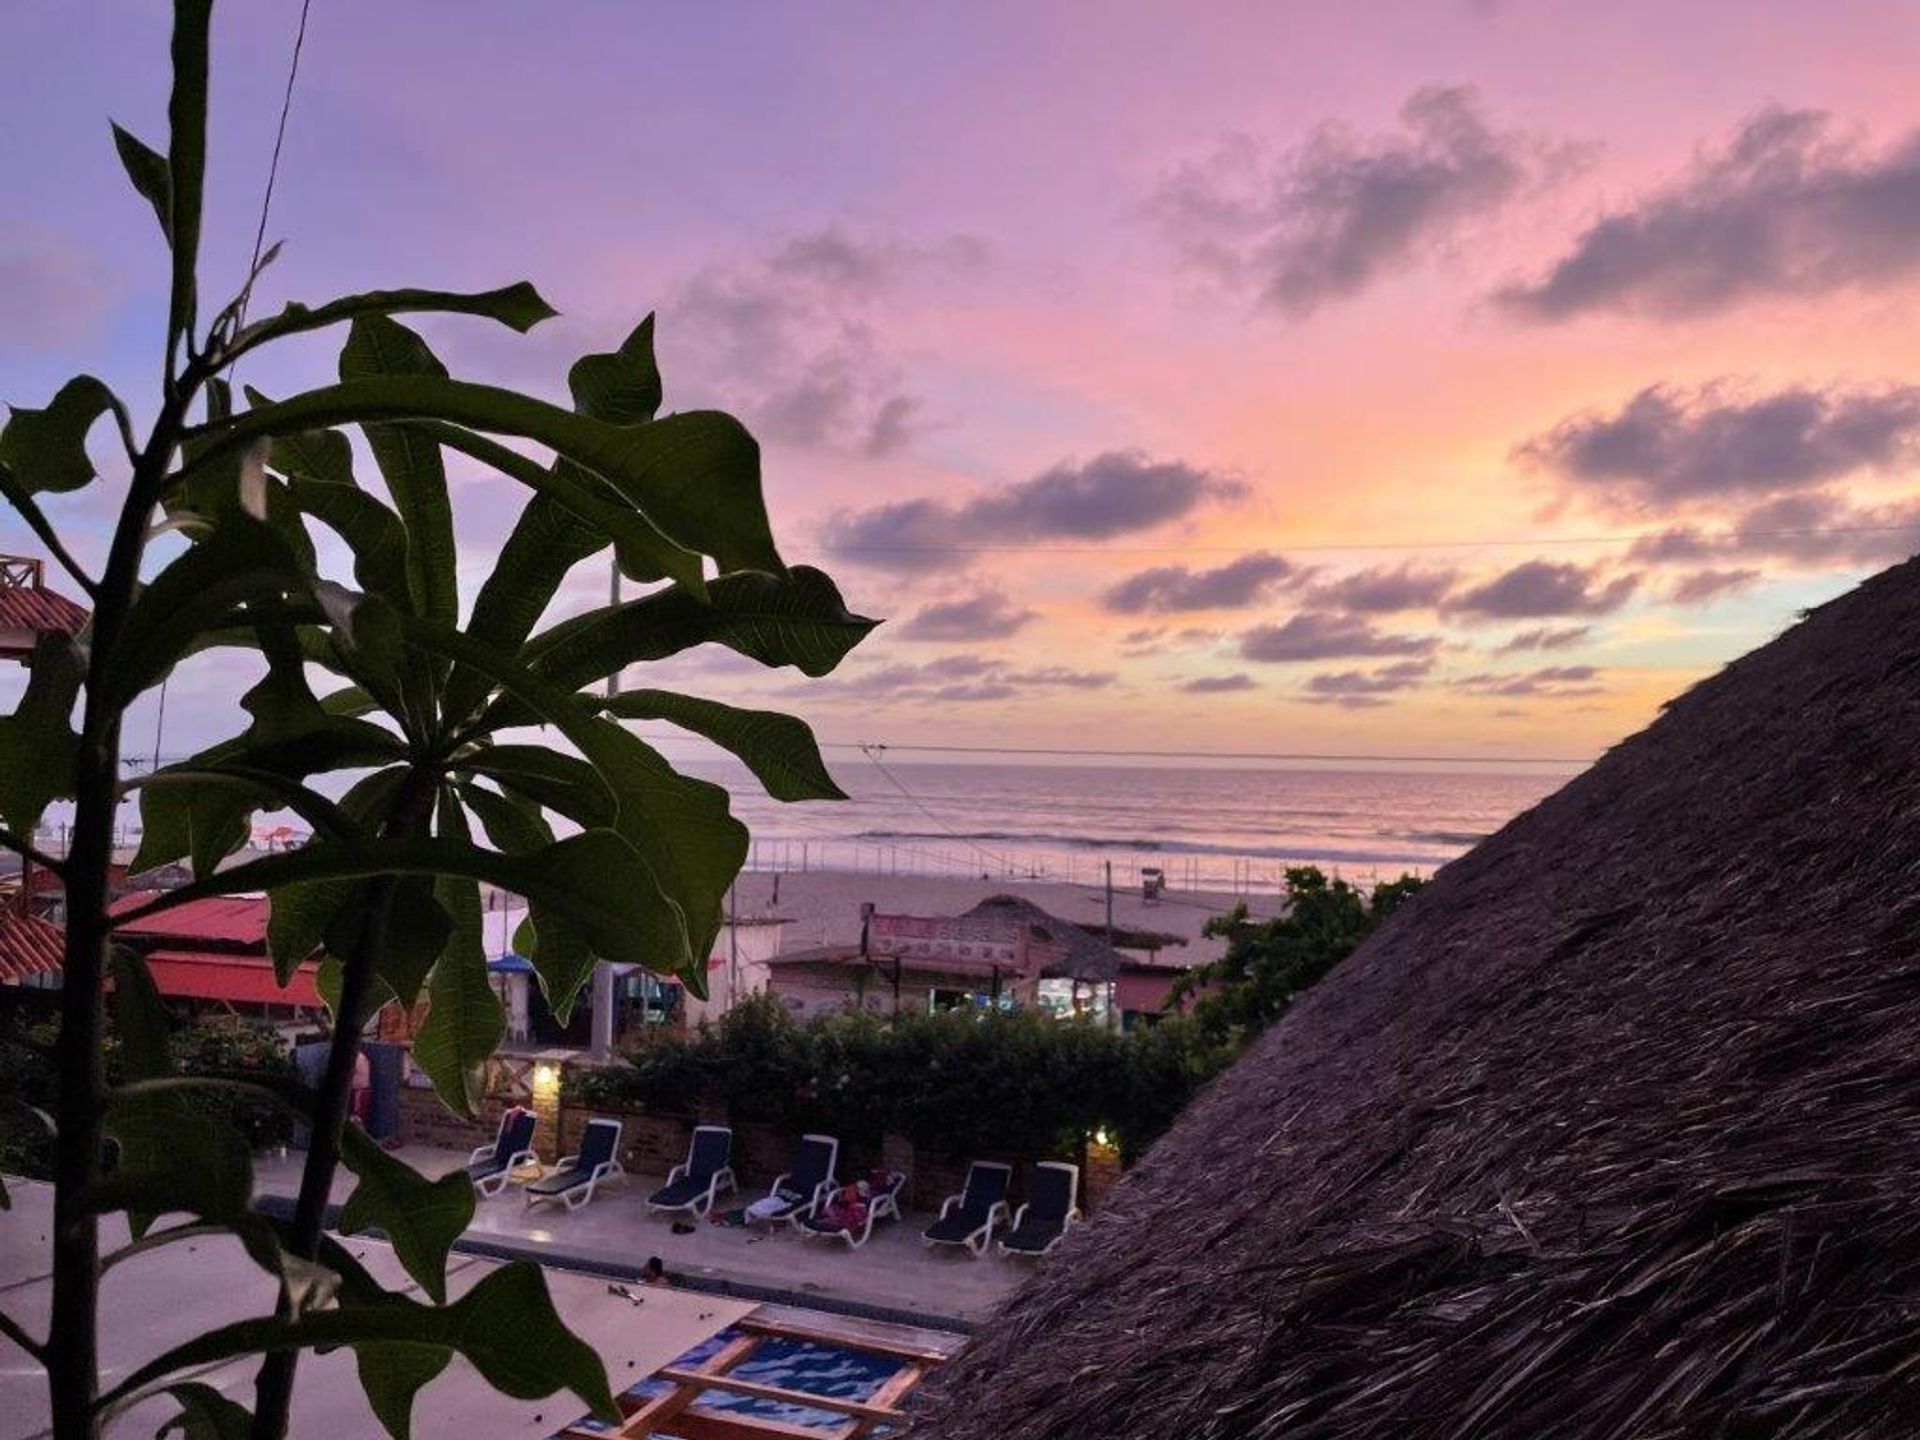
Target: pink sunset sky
[{"x": 1390, "y": 378}]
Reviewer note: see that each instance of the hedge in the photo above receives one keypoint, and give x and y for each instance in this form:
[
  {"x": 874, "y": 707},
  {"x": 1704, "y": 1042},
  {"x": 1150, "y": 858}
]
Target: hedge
[{"x": 958, "y": 1082}]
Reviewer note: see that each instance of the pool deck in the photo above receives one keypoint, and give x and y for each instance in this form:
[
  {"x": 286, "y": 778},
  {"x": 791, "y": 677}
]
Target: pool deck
[{"x": 895, "y": 1276}]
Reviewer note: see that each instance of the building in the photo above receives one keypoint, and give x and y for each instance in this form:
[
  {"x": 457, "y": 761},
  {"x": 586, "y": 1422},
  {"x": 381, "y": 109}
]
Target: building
[
  {"x": 1005, "y": 951},
  {"x": 212, "y": 954},
  {"x": 740, "y": 966},
  {"x": 29, "y": 610}
]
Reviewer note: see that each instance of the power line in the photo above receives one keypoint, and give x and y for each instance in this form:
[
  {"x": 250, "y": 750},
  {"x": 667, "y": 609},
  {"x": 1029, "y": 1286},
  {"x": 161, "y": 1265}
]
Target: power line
[
  {"x": 1358, "y": 546},
  {"x": 872, "y": 753}
]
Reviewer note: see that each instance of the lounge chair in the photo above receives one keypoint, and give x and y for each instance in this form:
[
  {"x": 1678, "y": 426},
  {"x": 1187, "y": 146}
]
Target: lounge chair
[
  {"x": 575, "y": 1178},
  {"x": 1042, "y": 1222},
  {"x": 882, "y": 1204},
  {"x": 808, "y": 1181},
  {"x": 967, "y": 1218},
  {"x": 692, "y": 1187},
  {"x": 491, "y": 1167}
]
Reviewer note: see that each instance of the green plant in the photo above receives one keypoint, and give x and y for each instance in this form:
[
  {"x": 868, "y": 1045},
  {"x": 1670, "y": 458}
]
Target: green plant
[
  {"x": 1269, "y": 962},
  {"x": 419, "y": 742}
]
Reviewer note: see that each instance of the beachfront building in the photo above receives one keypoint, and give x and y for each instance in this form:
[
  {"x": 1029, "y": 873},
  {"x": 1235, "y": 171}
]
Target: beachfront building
[
  {"x": 210, "y": 955},
  {"x": 1005, "y": 951}
]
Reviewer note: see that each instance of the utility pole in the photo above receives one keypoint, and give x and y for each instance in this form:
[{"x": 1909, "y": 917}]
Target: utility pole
[
  {"x": 601, "y": 1045},
  {"x": 1113, "y": 985}
]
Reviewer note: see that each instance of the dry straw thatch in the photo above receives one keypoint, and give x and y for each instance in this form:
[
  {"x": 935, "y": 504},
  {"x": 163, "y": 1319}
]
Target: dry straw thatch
[{"x": 1614, "y": 1131}]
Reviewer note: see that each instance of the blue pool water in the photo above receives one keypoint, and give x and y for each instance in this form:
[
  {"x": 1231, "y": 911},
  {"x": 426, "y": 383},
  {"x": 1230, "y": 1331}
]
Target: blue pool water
[{"x": 790, "y": 1364}]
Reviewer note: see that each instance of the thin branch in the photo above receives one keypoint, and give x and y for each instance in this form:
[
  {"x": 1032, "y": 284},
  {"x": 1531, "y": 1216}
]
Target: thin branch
[
  {"x": 153, "y": 1239},
  {"x": 36, "y": 518},
  {"x": 17, "y": 1333},
  {"x": 11, "y": 841}
]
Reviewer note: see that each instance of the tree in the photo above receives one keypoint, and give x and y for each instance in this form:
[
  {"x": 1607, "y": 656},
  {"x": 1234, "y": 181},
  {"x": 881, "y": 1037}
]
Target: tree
[
  {"x": 1269, "y": 962},
  {"x": 417, "y": 740}
]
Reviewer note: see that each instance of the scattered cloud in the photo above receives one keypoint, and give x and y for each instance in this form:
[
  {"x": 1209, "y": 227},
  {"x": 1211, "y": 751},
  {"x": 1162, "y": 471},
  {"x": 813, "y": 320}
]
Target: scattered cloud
[
  {"x": 1219, "y": 684},
  {"x": 1322, "y": 635},
  {"x": 791, "y": 339},
  {"x": 1112, "y": 494},
  {"x": 1169, "y": 588},
  {"x": 1538, "y": 589},
  {"x": 963, "y": 678},
  {"x": 1703, "y": 587},
  {"x": 1366, "y": 689},
  {"x": 986, "y": 616},
  {"x": 1328, "y": 219},
  {"x": 1386, "y": 590},
  {"x": 1667, "y": 448},
  {"x": 1787, "y": 207},
  {"x": 1821, "y": 528},
  {"x": 1546, "y": 638},
  {"x": 1553, "y": 682},
  {"x": 1059, "y": 676}
]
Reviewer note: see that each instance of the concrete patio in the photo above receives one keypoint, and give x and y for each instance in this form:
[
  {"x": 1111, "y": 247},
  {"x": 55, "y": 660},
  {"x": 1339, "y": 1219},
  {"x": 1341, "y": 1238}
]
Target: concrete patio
[{"x": 894, "y": 1272}]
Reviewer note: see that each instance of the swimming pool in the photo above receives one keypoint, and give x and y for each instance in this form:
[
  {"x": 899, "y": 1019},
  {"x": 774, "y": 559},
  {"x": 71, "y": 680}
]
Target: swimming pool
[{"x": 817, "y": 1369}]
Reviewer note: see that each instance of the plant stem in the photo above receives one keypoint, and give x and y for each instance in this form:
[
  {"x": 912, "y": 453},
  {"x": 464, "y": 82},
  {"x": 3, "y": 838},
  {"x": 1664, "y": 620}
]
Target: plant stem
[
  {"x": 73, "y": 1369},
  {"x": 274, "y": 1389}
]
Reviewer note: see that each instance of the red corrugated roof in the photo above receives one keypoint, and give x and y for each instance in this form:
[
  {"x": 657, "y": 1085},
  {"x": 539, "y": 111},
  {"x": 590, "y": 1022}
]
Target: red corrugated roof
[
  {"x": 29, "y": 945},
  {"x": 235, "y": 919},
  {"x": 240, "y": 979},
  {"x": 29, "y": 607}
]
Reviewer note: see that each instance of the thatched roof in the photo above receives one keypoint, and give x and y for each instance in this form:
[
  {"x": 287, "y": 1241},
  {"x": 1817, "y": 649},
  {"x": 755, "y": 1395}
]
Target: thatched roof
[
  {"x": 1612, "y": 1131},
  {"x": 1088, "y": 956}
]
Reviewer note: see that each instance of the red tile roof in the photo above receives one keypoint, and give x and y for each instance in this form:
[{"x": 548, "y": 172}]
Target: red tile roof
[
  {"x": 235, "y": 919},
  {"x": 237, "y": 979},
  {"x": 29, "y": 945},
  {"x": 30, "y": 607}
]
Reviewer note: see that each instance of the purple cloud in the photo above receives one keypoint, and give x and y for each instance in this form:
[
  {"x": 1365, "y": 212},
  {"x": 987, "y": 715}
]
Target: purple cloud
[
  {"x": 1786, "y": 208},
  {"x": 1322, "y": 635},
  {"x": 1540, "y": 588},
  {"x": 1327, "y": 220},
  {"x": 1112, "y": 494},
  {"x": 986, "y": 616},
  {"x": 1667, "y": 447},
  {"x": 1365, "y": 689},
  {"x": 1703, "y": 587},
  {"x": 1169, "y": 588},
  {"x": 1553, "y": 682},
  {"x": 1219, "y": 684},
  {"x": 1546, "y": 638},
  {"x": 1386, "y": 591}
]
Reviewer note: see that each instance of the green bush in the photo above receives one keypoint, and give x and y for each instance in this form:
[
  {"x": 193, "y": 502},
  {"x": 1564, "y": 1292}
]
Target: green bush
[
  {"x": 228, "y": 1050},
  {"x": 961, "y": 1082}
]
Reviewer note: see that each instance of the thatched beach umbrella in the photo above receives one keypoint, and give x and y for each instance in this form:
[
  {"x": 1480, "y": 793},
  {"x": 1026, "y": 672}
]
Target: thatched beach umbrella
[{"x": 1612, "y": 1131}]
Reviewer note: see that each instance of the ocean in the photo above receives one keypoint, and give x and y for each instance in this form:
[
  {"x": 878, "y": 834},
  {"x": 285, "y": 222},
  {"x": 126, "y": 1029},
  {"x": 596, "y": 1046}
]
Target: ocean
[{"x": 1207, "y": 827}]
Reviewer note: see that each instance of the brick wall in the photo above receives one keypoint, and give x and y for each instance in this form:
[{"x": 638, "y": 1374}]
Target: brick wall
[{"x": 649, "y": 1144}]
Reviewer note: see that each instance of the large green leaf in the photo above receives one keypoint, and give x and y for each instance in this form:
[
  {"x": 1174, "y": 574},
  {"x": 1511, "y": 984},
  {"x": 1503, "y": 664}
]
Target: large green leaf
[
  {"x": 464, "y": 1024},
  {"x": 560, "y": 782},
  {"x": 241, "y": 562},
  {"x": 392, "y": 1375},
  {"x": 206, "y": 1414},
  {"x": 171, "y": 1156},
  {"x": 139, "y": 1017},
  {"x": 39, "y": 751},
  {"x": 798, "y": 619},
  {"x": 421, "y": 1218},
  {"x": 695, "y": 475},
  {"x": 643, "y": 551},
  {"x": 297, "y": 919},
  {"x": 379, "y": 350},
  {"x": 561, "y": 958},
  {"x": 518, "y": 307},
  {"x": 623, "y": 387},
  {"x": 506, "y": 1326},
  {"x": 547, "y": 542},
  {"x": 779, "y": 749},
  {"x": 595, "y": 879},
  {"x": 147, "y": 169},
  {"x": 47, "y": 449}
]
